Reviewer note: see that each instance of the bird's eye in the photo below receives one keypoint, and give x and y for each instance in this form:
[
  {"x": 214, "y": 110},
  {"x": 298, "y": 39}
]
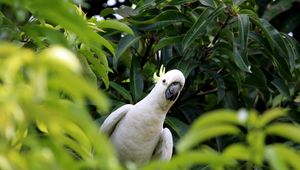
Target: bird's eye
[{"x": 164, "y": 81}]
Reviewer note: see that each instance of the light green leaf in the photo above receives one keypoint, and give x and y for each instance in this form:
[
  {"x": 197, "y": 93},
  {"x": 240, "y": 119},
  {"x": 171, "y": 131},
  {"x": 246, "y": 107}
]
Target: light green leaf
[
  {"x": 238, "y": 151},
  {"x": 275, "y": 159},
  {"x": 114, "y": 24},
  {"x": 285, "y": 130},
  {"x": 284, "y": 154},
  {"x": 65, "y": 15},
  {"x": 187, "y": 159},
  {"x": 197, "y": 136},
  {"x": 270, "y": 115},
  {"x": 217, "y": 117}
]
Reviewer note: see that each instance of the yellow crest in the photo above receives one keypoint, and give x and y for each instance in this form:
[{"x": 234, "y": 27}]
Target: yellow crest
[{"x": 162, "y": 71}]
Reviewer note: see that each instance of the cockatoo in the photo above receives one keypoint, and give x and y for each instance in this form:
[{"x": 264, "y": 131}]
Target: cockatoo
[{"x": 136, "y": 131}]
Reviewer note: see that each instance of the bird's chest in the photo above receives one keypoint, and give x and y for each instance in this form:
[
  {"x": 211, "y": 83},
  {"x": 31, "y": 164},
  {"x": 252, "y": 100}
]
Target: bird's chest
[{"x": 136, "y": 137}]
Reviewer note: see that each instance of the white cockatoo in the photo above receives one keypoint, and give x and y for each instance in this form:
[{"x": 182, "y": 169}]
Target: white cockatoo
[{"x": 136, "y": 131}]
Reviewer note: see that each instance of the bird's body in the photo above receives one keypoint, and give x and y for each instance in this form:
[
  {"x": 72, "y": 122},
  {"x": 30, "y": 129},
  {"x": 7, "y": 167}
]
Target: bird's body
[{"x": 137, "y": 132}]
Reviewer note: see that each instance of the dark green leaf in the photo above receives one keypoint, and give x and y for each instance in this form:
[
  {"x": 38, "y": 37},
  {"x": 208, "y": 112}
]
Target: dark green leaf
[
  {"x": 178, "y": 126},
  {"x": 200, "y": 25},
  {"x": 281, "y": 86},
  {"x": 209, "y": 3},
  {"x": 121, "y": 90},
  {"x": 167, "y": 41},
  {"x": 126, "y": 42},
  {"x": 277, "y": 8},
  {"x": 136, "y": 80}
]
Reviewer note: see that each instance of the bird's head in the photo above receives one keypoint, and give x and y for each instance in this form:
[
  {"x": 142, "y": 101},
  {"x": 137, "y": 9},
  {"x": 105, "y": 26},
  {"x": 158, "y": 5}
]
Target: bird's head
[{"x": 168, "y": 86}]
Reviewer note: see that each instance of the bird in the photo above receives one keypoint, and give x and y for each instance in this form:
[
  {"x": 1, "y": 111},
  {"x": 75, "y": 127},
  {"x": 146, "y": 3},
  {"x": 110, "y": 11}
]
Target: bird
[{"x": 136, "y": 131}]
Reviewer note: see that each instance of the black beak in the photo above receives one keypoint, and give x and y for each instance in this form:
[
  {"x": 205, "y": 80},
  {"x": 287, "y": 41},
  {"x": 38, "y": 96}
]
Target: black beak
[{"x": 173, "y": 91}]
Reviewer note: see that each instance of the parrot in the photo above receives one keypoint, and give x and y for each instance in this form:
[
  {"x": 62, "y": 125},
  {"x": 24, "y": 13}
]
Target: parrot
[{"x": 136, "y": 131}]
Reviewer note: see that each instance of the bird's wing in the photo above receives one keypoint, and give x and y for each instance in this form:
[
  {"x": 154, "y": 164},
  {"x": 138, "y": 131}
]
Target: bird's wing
[
  {"x": 112, "y": 120},
  {"x": 164, "y": 147}
]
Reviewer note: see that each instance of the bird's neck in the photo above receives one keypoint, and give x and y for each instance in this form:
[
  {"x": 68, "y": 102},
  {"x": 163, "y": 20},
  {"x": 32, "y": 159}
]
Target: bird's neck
[{"x": 158, "y": 102}]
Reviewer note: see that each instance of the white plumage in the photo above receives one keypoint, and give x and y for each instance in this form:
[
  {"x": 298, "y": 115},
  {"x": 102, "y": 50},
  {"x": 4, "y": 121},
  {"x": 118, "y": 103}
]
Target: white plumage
[{"x": 137, "y": 132}]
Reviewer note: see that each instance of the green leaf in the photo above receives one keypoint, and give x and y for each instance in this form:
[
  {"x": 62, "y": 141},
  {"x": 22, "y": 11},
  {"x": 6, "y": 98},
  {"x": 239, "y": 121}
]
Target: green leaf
[
  {"x": 243, "y": 26},
  {"x": 181, "y": 2},
  {"x": 281, "y": 86},
  {"x": 275, "y": 159},
  {"x": 177, "y": 125},
  {"x": 270, "y": 115},
  {"x": 200, "y": 25},
  {"x": 197, "y": 136},
  {"x": 278, "y": 8},
  {"x": 39, "y": 33},
  {"x": 238, "y": 2},
  {"x": 256, "y": 139},
  {"x": 220, "y": 84},
  {"x": 163, "y": 19},
  {"x": 121, "y": 90},
  {"x": 126, "y": 42},
  {"x": 238, "y": 151},
  {"x": 240, "y": 60},
  {"x": 278, "y": 46},
  {"x": 189, "y": 159},
  {"x": 240, "y": 48},
  {"x": 217, "y": 117},
  {"x": 285, "y": 130},
  {"x": 87, "y": 70},
  {"x": 65, "y": 15},
  {"x": 292, "y": 47},
  {"x": 281, "y": 155},
  {"x": 165, "y": 41},
  {"x": 114, "y": 24},
  {"x": 209, "y": 3},
  {"x": 136, "y": 80}
]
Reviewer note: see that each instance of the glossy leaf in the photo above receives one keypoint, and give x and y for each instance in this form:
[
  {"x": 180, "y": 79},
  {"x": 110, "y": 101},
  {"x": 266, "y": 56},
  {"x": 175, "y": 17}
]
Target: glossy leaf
[
  {"x": 121, "y": 90},
  {"x": 277, "y": 8},
  {"x": 178, "y": 126},
  {"x": 136, "y": 80},
  {"x": 281, "y": 86},
  {"x": 114, "y": 24},
  {"x": 126, "y": 42},
  {"x": 209, "y": 3},
  {"x": 167, "y": 41},
  {"x": 200, "y": 25}
]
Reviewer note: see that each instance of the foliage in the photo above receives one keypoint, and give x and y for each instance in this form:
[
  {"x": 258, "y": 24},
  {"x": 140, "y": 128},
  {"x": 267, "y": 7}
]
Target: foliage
[
  {"x": 44, "y": 121},
  {"x": 231, "y": 57},
  {"x": 234, "y": 53},
  {"x": 251, "y": 149}
]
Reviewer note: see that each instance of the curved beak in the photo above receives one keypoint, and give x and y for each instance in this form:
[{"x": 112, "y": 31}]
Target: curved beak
[{"x": 172, "y": 91}]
